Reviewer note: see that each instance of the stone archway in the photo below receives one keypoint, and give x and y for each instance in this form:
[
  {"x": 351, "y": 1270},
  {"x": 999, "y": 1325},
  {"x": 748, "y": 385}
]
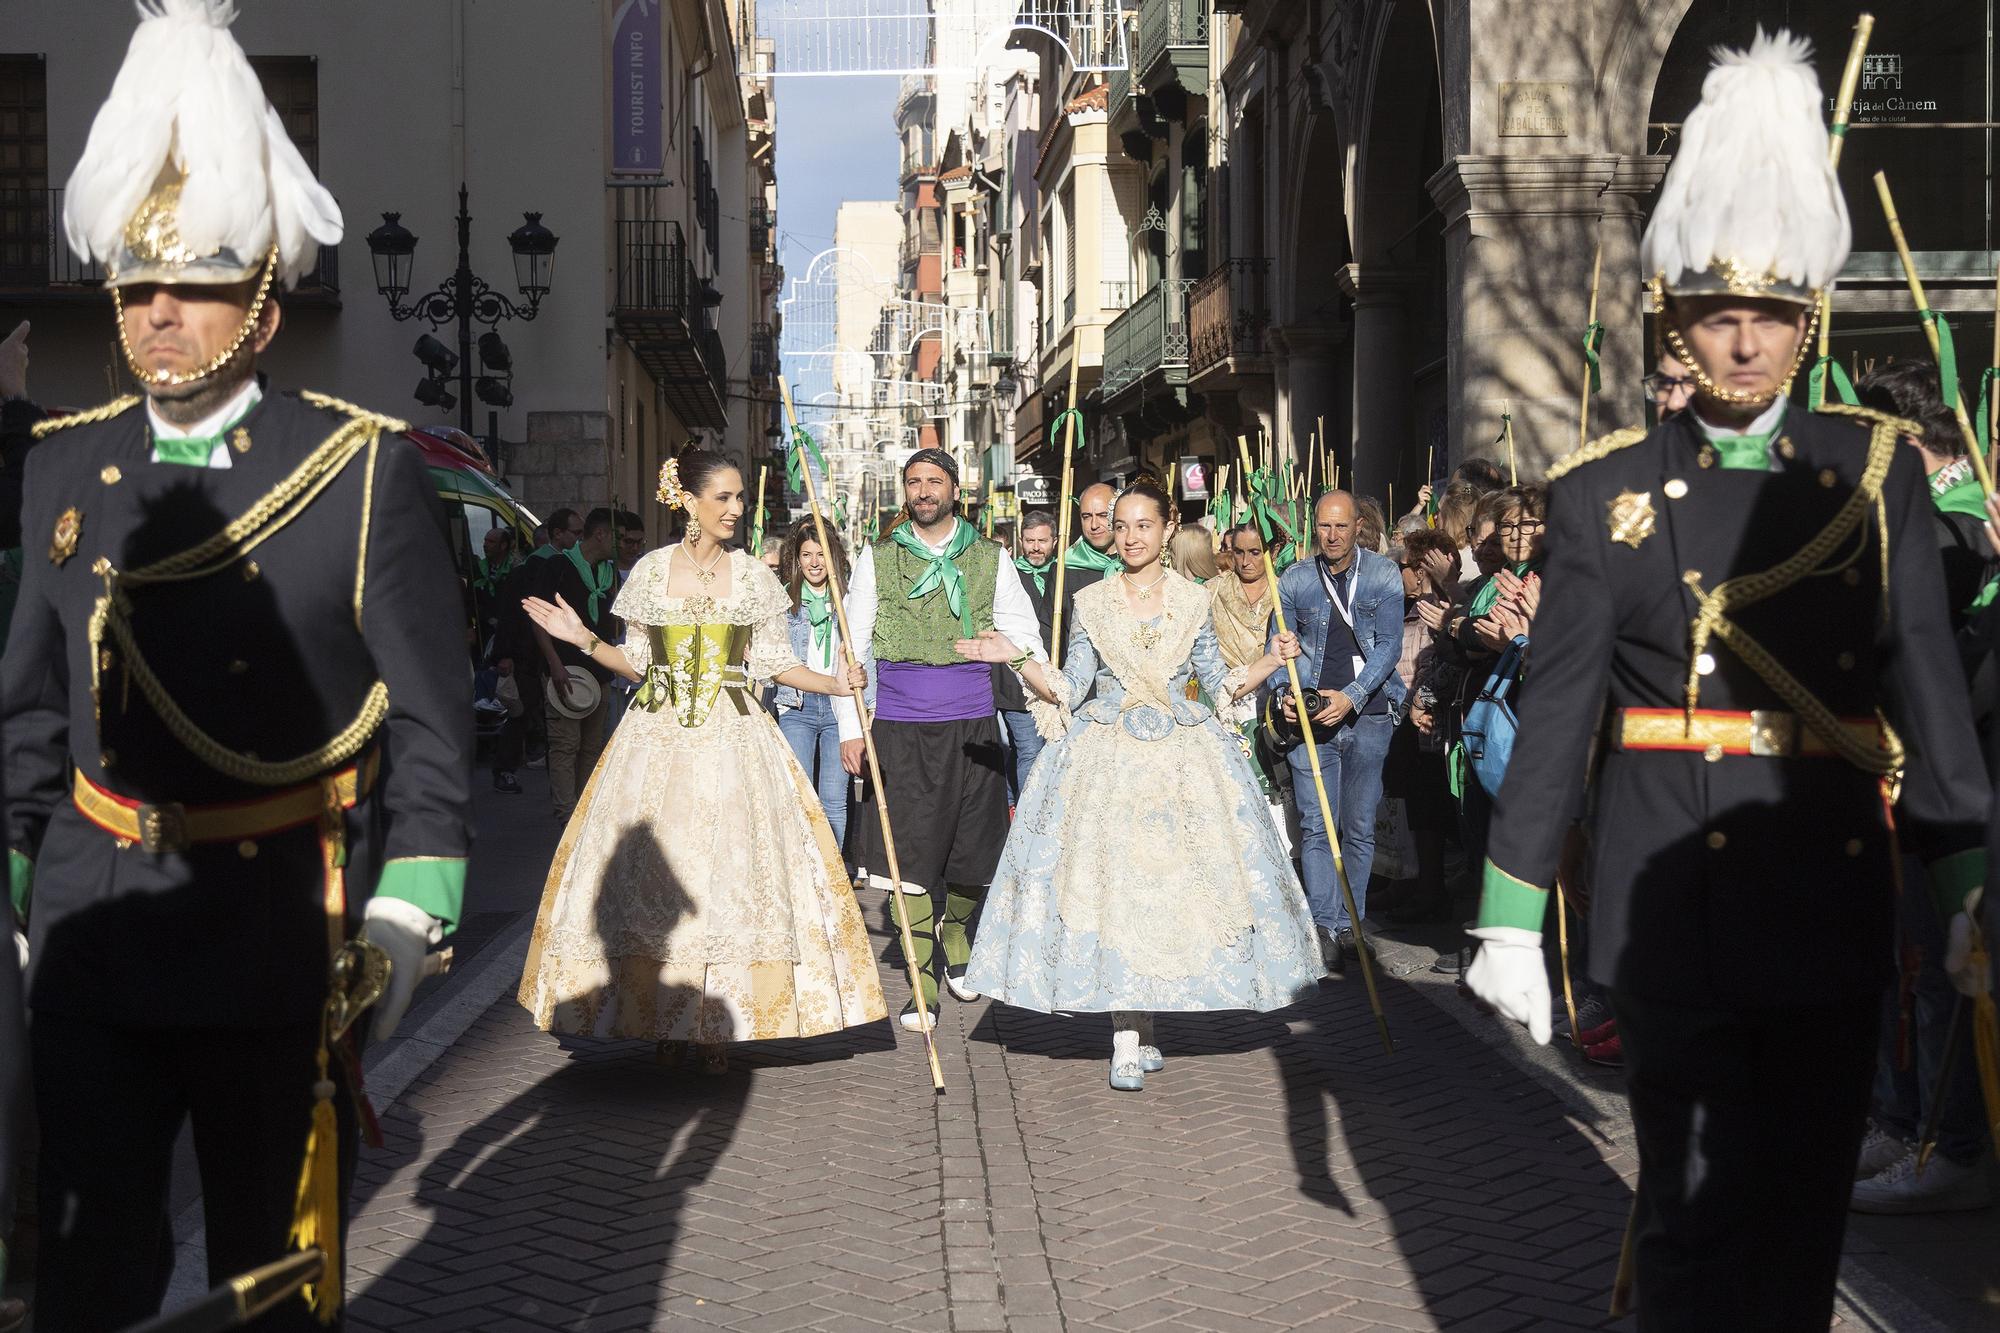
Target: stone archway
[
  {"x": 1313, "y": 378},
  {"x": 1397, "y": 282}
]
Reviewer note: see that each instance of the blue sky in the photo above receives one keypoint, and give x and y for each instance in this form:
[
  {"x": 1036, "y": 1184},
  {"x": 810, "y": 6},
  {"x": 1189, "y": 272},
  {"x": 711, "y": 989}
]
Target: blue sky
[{"x": 836, "y": 141}]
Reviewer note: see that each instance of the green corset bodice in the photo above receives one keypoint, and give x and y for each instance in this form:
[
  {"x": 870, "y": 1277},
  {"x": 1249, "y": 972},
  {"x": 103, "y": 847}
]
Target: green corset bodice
[{"x": 692, "y": 664}]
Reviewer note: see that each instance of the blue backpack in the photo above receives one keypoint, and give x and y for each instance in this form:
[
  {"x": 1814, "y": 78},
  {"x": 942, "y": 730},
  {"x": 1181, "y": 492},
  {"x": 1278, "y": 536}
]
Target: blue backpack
[{"x": 1488, "y": 731}]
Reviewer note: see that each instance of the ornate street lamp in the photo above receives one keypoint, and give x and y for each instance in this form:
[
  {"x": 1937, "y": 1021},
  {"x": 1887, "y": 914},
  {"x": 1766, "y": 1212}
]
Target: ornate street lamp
[{"x": 464, "y": 296}]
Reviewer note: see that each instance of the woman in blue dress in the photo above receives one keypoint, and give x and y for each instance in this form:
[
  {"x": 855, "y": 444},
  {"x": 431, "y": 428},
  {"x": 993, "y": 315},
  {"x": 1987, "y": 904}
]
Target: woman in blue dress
[{"x": 1126, "y": 885}]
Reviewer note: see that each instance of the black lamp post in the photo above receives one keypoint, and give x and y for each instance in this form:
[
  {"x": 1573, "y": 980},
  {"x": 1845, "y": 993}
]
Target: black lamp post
[{"x": 464, "y": 296}]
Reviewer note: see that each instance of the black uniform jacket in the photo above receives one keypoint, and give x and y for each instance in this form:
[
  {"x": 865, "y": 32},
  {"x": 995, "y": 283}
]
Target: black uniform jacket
[
  {"x": 273, "y": 656},
  {"x": 1741, "y": 881}
]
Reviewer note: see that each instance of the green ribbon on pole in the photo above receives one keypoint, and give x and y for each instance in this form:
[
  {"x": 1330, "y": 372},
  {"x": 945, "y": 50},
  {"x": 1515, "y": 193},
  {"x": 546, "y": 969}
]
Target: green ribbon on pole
[
  {"x": 1056, "y": 425},
  {"x": 1947, "y": 356},
  {"x": 1268, "y": 507},
  {"x": 873, "y": 527},
  {"x": 1593, "y": 345},
  {"x": 1816, "y": 384},
  {"x": 840, "y": 511},
  {"x": 802, "y": 444},
  {"x": 1982, "y": 423},
  {"x": 1506, "y": 420}
]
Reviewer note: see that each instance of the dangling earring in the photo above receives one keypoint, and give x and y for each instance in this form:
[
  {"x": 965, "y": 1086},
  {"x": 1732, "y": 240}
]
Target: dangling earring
[{"x": 693, "y": 527}]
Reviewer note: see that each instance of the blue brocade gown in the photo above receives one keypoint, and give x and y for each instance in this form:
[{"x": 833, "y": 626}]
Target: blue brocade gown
[{"x": 1142, "y": 871}]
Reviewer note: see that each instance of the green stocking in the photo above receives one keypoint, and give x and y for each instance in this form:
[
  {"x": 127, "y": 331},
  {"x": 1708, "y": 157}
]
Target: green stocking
[
  {"x": 956, "y": 934},
  {"x": 924, "y": 938}
]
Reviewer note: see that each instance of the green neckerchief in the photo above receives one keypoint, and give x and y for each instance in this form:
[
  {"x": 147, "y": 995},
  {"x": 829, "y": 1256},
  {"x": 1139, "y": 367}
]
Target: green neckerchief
[
  {"x": 943, "y": 571},
  {"x": 1955, "y": 490},
  {"x": 1082, "y": 555},
  {"x": 1039, "y": 573},
  {"x": 596, "y": 586},
  {"x": 818, "y": 607},
  {"x": 1743, "y": 453},
  {"x": 543, "y": 552},
  {"x": 1489, "y": 592},
  {"x": 489, "y": 579},
  {"x": 195, "y": 450}
]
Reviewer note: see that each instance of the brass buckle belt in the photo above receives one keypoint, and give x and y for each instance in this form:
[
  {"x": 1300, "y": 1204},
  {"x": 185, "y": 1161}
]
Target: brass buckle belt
[
  {"x": 169, "y": 826},
  {"x": 1763, "y": 732}
]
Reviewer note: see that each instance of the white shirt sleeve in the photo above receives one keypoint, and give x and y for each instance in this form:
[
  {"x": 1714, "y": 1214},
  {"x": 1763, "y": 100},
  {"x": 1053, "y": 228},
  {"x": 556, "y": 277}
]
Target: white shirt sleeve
[
  {"x": 861, "y": 620},
  {"x": 1014, "y": 613}
]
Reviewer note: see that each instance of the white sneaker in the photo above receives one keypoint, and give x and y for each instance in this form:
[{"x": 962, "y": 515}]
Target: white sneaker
[
  {"x": 954, "y": 980},
  {"x": 915, "y": 1023},
  {"x": 1879, "y": 1151},
  {"x": 1944, "y": 1187}
]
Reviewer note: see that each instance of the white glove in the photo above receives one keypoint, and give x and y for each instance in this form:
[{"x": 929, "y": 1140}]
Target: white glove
[
  {"x": 406, "y": 933},
  {"x": 1968, "y": 976},
  {"x": 1508, "y": 974}
]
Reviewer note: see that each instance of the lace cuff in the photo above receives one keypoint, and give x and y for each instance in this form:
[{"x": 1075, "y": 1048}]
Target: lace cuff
[
  {"x": 1051, "y": 720},
  {"x": 638, "y": 647},
  {"x": 1228, "y": 707}
]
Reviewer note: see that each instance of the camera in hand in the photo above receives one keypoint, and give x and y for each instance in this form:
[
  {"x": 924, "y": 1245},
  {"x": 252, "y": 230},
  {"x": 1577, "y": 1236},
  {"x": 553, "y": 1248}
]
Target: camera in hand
[{"x": 1315, "y": 702}]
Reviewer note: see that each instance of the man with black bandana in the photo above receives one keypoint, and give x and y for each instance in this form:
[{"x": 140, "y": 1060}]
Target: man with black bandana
[{"x": 934, "y": 581}]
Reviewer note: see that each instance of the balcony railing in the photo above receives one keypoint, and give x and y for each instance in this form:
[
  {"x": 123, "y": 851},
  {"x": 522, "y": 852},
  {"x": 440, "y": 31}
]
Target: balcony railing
[
  {"x": 763, "y": 221},
  {"x": 1152, "y": 335},
  {"x": 763, "y": 353},
  {"x": 1175, "y": 32},
  {"x": 1115, "y": 295},
  {"x": 35, "y": 255},
  {"x": 1227, "y": 313},
  {"x": 663, "y": 313}
]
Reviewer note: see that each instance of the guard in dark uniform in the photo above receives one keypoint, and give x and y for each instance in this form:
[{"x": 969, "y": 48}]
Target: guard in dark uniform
[
  {"x": 236, "y": 719},
  {"x": 1749, "y": 599}
]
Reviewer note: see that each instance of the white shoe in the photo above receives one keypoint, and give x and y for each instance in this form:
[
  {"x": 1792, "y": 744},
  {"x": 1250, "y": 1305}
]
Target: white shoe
[
  {"x": 913, "y": 1023},
  {"x": 1944, "y": 1187},
  {"x": 1879, "y": 1151},
  {"x": 961, "y": 992}
]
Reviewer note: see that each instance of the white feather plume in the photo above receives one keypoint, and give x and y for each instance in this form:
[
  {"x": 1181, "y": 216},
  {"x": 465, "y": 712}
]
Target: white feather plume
[
  {"x": 187, "y": 89},
  {"x": 1751, "y": 183}
]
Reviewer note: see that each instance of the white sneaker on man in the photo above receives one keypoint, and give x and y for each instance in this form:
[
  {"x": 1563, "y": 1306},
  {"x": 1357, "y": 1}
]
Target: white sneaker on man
[
  {"x": 954, "y": 980},
  {"x": 1879, "y": 1151},
  {"x": 1944, "y": 1187}
]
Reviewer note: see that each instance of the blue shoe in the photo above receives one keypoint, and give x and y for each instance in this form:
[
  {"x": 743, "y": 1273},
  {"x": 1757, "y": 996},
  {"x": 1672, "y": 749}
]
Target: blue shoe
[
  {"x": 1150, "y": 1059},
  {"x": 1128, "y": 1077}
]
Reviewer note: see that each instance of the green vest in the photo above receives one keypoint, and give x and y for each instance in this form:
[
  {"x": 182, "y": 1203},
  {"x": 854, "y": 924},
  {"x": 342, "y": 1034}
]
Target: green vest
[{"x": 923, "y": 631}]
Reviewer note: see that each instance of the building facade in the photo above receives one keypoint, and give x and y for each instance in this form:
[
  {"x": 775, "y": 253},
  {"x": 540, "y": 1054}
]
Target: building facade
[{"x": 640, "y": 130}]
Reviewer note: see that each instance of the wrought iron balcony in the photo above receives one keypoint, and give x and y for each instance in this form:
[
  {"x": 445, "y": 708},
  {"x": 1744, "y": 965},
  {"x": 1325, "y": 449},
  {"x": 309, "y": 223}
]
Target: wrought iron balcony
[
  {"x": 1227, "y": 314},
  {"x": 763, "y": 353},
  {"x": 1146, "y": 348},
  {"x": 1173, "y": 47},
  {"x": 662, "y": 310}
]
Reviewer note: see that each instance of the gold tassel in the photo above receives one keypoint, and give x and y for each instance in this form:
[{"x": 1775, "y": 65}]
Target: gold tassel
[{"x": 316, "y": 1210}]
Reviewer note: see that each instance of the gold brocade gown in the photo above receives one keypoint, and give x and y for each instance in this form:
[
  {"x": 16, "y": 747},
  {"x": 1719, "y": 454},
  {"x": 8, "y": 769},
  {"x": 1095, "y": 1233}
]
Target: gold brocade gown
[{"x": 698, "y": 894}]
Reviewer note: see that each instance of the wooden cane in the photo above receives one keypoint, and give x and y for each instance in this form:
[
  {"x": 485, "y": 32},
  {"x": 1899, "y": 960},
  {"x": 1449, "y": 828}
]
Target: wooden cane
[
  {"x": 763, "y": 471},
  {"x": 1993, "y": 393},
  {"x": 1562, "y": 952},
  {"x": 1062, "y": 519},
  {"x": 1836, "y": 139},
  {"x": 1326, "y": 463},
  {"x": 1319, "y": 787},
  {"x": 898, "y": 909},
  {"x": 1583, "y": 414},
  {"x": 1507, "y": 416},
  {"x": 1972, "y": 448}
]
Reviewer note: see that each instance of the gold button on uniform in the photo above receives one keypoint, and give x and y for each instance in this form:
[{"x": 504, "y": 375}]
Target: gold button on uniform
[
  {"x": 250, "y": 570},
  {"x": 1785, "y": 449},
  {"x": 1854, "y": 846},
  {"x": 1717, "y": 841},
  {"x": 1827, "y": 476},
  {"x": 1706, "y": 457},
  {"x": 1713, "y": 754},
  {"x": 1704, "y": 665},
  {"x": 1675, "y": 488},
  {"x": 110, "y": 475},
  {"x": 239, "y": 440},
  {"x": 247, "y": 850}
]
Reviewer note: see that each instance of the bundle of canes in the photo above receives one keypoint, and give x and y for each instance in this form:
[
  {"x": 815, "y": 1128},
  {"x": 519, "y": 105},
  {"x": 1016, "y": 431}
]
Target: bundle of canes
[
  {"x": 1319, "y": 779},
  {"x": 1836, "y": 139},
  {"x": 898, "y": 910}
]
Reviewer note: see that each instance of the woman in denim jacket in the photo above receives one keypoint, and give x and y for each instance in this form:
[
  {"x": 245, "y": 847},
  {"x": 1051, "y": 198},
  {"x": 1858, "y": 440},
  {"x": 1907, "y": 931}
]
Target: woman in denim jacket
[{"x": 807, "y": 720}]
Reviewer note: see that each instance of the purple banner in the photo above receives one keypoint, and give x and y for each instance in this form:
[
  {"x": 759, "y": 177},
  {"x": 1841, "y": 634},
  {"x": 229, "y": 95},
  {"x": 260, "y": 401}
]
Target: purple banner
[{"x": 637, "y": 90}]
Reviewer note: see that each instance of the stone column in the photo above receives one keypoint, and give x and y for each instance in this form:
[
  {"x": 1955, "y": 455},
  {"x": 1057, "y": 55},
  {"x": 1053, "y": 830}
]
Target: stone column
[
  {"x": 1384, "y": 423},
  {"x": 1305, "y": 365},
  {"x": 1520, "y": 235}
]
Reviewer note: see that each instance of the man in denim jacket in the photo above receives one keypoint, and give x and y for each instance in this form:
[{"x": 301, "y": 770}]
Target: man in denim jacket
[{"x": 1346, "y": 605}]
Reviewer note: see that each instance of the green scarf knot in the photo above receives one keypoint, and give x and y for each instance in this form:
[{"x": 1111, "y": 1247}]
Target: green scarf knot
[
  {"x": 1743, "y": 453},
  {"x": 818, "y": 606},
  {"x": 1039, "y": 573},
  {"x": 943, "y": 571},
  {"x": 597, "y": 582},
  {"x": 1082, "y": 555},
  {"x": 490, "y": 578}
]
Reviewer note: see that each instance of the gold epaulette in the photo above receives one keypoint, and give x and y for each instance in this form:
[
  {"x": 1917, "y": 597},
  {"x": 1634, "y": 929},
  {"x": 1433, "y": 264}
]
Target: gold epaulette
[
  {"x": 1900, "y": 425},
  {"x": 1602, "y": 447},
  {"x": 41, "y": 430},
  {"x": 387, "y": 424}
]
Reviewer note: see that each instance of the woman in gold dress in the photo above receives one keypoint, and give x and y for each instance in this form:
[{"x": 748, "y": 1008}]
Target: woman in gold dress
[{"x": 698, "y": 894}]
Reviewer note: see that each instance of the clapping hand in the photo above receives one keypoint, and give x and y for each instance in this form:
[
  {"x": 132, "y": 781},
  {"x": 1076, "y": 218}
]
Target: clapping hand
[
  {"x": 1432, "y": 613},
  {"x": 558, "y": 620},
  {"x": 1442, "y": 569}
]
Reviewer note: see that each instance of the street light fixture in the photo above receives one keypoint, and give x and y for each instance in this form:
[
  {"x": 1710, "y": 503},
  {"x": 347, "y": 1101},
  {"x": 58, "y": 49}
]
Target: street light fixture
[{"x": 463, "y": 297}]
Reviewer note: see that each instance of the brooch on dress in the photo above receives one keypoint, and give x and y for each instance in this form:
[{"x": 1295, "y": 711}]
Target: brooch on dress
[
  {"x": 1631, "y": 519},
  {"x": 69, "y": 528}
]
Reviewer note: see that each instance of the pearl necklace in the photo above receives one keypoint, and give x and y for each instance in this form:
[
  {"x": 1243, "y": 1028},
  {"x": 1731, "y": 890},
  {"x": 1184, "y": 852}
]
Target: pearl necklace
[
  {"x": 704, "y": 574},
  {"x": 1146, "y": 592}
]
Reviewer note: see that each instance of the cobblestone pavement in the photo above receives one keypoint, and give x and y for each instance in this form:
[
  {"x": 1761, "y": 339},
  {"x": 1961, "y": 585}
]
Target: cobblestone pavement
[{"x": 1282, "y": 1172}]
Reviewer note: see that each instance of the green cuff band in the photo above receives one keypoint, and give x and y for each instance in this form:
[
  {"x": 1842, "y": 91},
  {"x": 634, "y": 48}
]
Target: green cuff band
[
  {"x": 20, "y": 882},
  {"x": 1506, "y": 901},
  {"x": 434, "y": 883},
  {"x": 1954, "y": 876}
]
